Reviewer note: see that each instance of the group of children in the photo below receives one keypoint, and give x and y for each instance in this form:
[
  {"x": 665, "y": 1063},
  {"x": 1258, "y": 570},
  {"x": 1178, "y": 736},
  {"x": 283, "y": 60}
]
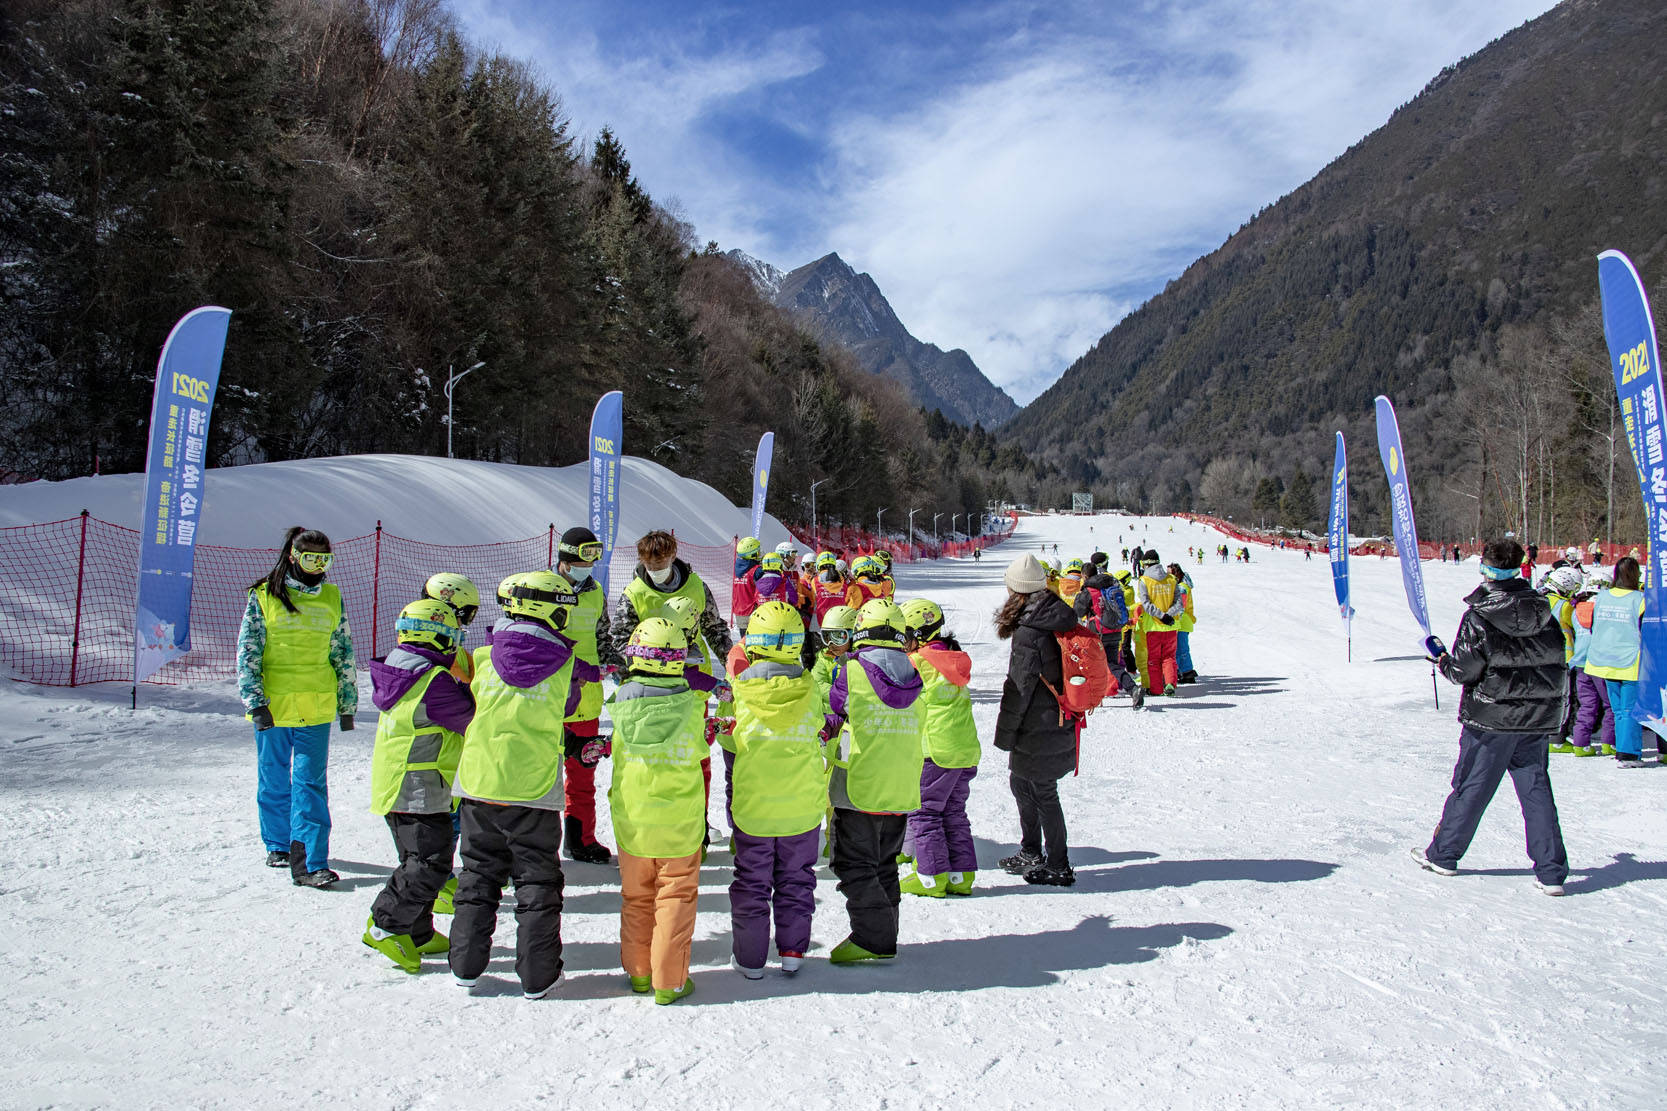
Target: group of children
[{"x": 856, "y": 713}]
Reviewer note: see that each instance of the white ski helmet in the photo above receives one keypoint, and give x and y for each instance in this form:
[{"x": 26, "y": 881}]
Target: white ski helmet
[
  {"x": 1599, "y": 578},
  {"x": 1564, "y": 580},
  {"x": 787, "y": 549}
]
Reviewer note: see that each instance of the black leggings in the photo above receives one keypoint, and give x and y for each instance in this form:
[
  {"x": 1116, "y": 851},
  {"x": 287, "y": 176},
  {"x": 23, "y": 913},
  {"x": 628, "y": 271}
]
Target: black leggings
[{"x": 1040, "y": 818}]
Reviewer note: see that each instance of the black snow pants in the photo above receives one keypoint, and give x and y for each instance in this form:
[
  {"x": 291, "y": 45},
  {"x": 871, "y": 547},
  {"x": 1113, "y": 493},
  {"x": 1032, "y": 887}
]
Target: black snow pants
[
  {"x": 865, "y": 848},
  {"x": 1041, "y": 818},
  {"x": 500, "y": 843},
  {"x": 406, "y": 905}
]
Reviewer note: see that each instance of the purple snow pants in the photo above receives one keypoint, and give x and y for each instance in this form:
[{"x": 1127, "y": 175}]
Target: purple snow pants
[
  {"x": 778, "y": 872},
  {"x": 939, "y": 830},
  {"x": 1594, "y": 709}
]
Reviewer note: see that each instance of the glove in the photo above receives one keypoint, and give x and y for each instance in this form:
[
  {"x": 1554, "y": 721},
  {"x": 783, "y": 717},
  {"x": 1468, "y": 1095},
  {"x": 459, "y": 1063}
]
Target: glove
[
  {"x": 1166, "y": 620},
  {"x": 262, "y": 717},
  {"x": 1434, "y": 649},
  {"x": 594, "y": 750},
  {"x": 347, "y": 723}
]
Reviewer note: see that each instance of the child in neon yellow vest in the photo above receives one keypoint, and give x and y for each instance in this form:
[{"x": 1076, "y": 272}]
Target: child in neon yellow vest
[
  {"x": 781, "y": 792},
  {"x": 658, "y": 801}
]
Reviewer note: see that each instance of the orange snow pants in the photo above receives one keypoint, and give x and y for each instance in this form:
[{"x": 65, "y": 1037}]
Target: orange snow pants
[{"x": 657, "y": 916}]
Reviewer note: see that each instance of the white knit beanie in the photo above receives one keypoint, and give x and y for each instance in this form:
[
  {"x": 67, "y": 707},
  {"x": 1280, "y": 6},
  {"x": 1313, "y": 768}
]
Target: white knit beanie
[{"x": 1025, "y": 575}]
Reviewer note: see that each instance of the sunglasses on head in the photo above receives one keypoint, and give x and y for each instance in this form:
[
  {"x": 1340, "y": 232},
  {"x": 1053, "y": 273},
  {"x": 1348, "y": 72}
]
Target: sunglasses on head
[{"x": 313, "y": 562}]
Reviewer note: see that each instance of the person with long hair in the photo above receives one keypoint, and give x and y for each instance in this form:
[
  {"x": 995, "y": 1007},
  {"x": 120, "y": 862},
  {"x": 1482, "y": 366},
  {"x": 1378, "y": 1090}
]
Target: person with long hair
[
  {"x": 1031, "y": 726},
  {"x": 295, "y": 673},
  {"x": 1614, "y": 651}
]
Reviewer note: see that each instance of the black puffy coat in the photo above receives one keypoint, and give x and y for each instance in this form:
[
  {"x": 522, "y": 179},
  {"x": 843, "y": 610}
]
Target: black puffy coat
[
  {"x": 1027, "y": 724},
  {"x": 1508, "y": 655}
]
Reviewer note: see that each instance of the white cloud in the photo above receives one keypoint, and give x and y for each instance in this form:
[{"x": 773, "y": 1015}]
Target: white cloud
[
  {"x": 1021, "y": 206},
  {"x": 1002, "y": 217}
]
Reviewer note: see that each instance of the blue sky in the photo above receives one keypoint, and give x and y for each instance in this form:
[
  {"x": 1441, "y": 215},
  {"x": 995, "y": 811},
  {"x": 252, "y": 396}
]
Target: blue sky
[{"x": 1015, "y": 176}]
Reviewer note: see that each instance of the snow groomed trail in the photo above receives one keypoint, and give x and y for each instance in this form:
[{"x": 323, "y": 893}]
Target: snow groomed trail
[{"x": 1247, "y": 929}]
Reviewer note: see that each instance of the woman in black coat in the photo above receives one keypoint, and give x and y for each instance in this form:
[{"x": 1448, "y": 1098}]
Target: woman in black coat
[{"x": 1041, "y": 747}]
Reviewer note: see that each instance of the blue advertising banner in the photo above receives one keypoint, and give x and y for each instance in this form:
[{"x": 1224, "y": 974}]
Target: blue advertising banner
[
  {"x": 1337, "y": 539},
  {"x": 607, "y": 427},
  {"x": 1630, "y": 332},
  {"x": 1400, "y": 504},
  {"x": 187, "y": 375},
  {"x": 761, "y": 479}
]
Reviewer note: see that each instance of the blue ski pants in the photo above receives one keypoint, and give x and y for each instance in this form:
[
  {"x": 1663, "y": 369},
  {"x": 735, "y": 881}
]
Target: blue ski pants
[
  {"x": 291, "y": 791},
  {"x": 1629, "y": 731},
  {"x": 1183, "y": 652},
  {"x": 1484, "y": 760}
]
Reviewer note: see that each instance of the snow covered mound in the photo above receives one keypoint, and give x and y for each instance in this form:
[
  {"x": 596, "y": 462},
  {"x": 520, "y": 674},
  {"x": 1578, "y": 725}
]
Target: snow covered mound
[{"x": 421, "y": 497}]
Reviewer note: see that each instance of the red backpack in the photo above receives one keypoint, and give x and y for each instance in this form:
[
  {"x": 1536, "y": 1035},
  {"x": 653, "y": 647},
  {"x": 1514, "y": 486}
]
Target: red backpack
[{"x": 1088, "y": 680}]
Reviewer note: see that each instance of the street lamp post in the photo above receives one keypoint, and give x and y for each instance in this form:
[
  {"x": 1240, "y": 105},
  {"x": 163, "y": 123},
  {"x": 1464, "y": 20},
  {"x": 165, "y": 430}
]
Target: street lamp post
[
  {"x": 911, "y": 529},
  {"x": 815, "y": 542},
  {"x": 877, "y": 515},
  {"x": 957, "y": 517},
  {"x": 451, "y": 382},
  {"x": 935, "y": 517}
]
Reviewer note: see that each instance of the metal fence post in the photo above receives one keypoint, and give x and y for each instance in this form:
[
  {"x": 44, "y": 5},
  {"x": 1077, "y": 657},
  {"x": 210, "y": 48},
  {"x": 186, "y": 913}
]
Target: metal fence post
[
  {"x": 376, "y": 595},
  {"x": 80, "y": 574},
  {"x": 552, "y": 556}
]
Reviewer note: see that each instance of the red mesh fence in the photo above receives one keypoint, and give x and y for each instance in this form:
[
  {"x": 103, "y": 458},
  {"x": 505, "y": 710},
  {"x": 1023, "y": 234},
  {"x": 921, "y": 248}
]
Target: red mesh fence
[
  {"x": 67, "y": 591},
  {"x": 849, "y": 543}
]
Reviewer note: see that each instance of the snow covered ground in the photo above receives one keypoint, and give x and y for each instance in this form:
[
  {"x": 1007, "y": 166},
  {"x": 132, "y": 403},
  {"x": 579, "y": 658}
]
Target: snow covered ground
[{"x": 1247, "y": 930}]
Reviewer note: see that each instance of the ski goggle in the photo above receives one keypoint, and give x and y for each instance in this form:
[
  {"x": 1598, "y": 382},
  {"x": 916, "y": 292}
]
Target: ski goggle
[
  {"x": 835, "y": 638},
  {"x": 312, "y": 562},
  {"x": 583, "y": 553}
]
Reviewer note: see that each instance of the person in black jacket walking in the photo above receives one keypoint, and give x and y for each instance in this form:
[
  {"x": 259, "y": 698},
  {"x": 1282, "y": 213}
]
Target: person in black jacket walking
[
  {"x": 1508, "y": 656},
  {"x": 1040, "y": 741}
]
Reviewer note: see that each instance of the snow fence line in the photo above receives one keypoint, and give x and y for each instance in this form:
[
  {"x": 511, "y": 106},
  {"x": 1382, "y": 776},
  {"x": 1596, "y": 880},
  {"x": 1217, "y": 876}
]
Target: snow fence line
[
  {"x": 67, "y": 591},
  {"x": 1427, "y": 549}
]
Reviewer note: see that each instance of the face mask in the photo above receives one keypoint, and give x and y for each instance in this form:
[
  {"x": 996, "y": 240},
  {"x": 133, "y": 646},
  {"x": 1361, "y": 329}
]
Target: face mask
[
  {"x": 661, "y": 578},
  {"x": 578, "y": 574}
]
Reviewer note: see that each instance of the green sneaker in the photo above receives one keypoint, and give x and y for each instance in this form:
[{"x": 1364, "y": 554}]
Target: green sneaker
[
  {"x": 1607, "y": 750},
  {"x": 1565, "y": 749},
  {"x": 960, "y": 883},
  {"x": 933, "y": 887},
  {"x": 438, "y": 945},
  {"x": 642, "y": 985},
  {"x": 662, "y": 996},
  {"x": 443, "y": 901},
  {"x": 396, "y": 947},
  {"x": 1584, "y": 750},
  {"x": 904, "y": 858},
  {"x": 849, "y": 952}
]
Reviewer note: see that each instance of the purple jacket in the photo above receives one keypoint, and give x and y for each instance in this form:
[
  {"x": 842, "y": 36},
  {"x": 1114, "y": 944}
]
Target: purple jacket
[
  {"x": 525, "y": 653},
  {"x": 894, "y": 677},
  {"x": 447, "y": 702}
]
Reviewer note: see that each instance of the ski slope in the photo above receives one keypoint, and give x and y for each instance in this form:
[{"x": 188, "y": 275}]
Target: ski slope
[{"x": 1247, "y": 930}]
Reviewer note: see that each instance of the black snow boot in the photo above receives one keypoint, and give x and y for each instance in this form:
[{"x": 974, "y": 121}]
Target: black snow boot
[
  {"x": 1189, "y": 676},
  {"x": 578, "y": 849},
  {"x": 1020, "y": 862},
  {"x": 298, "y": 873},
  {"x": 277, "y": 858},
  {"x": 1051, "y": 877}
]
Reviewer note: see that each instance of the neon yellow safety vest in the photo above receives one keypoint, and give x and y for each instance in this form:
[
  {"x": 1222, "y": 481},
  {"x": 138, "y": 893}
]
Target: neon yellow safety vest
[
  {"x": 1563, "y": 610},
  {"x": 781, "y": 779},
  {"x": 407, "y": 745},
  {"x": 295, "y": 669},
  {"x": 647, "y": 602},
  {"x": 515, "y": 745},
  {"x": 1184, "y": 623},
  {"x": 581, "y": 629},
  {"x": 881, "y": 768},
  {"x": 950, "y": 738},
  {"x": 1160, "y": 595},
  {"x": 658, "y": 795},
  {"x": 823, "y": 671}
]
